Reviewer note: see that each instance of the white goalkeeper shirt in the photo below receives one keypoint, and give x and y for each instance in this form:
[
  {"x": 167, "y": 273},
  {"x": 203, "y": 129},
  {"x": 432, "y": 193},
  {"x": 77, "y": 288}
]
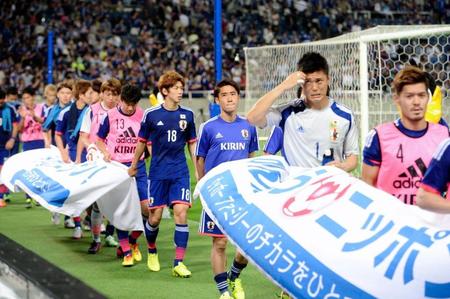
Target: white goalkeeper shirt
[{"x": 309, "y": 132}]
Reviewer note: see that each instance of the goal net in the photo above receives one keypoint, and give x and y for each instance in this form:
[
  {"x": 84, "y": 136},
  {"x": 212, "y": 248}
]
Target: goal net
[{"x": 362, "y": 67}]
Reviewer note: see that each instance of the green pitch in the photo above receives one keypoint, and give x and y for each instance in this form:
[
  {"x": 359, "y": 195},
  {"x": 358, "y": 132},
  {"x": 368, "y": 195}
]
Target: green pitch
[{"x": 33, "y": 229}]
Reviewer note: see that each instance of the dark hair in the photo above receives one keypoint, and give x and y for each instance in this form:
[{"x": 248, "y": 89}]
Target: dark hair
[
  {"x": 96, "y": 85},
  {"x": 409, "y": 75},
  {"x": 12, "y": 90},
  {"x": 2, "y": 94},
  {"x": 29, "y": 90},
  {"x": 312, "y": 62},
  {"x": 225, "y": 82},
  {"x": 81, "y": 87},
  {"x": 130, "y": 94}
]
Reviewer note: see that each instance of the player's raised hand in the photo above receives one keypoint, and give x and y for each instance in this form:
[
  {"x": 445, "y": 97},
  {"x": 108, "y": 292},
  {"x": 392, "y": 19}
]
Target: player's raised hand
[{"x": 294, "y": 79}]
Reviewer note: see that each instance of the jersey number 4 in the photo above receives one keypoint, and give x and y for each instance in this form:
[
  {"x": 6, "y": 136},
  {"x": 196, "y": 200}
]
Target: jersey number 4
[
  {"x": 400, "y": 153},
  {"x": 171, "y": 135}
]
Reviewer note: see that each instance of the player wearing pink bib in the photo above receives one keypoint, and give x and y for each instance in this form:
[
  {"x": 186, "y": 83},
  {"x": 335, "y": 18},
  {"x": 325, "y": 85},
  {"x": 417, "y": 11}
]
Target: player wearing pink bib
[
  {"x": 121, "y": 126},
  {"x": 397, "y": 154},
  {"x": 31, "y": 119}
]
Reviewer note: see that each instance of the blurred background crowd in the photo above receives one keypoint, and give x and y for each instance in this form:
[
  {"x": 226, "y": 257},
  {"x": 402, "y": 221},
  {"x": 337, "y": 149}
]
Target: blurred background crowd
[{"x": 135, "y": 41}]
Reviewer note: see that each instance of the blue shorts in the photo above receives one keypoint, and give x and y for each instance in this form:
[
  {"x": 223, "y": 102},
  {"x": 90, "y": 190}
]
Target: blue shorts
[
  {"x": 169, "y": 192},
  {"x": 73, "y": 155},
  {"x": 141, "y": 180},
  {"x": 207, "y": 226},
  {"x": 31, "y": 145},
  {"x": 4, "y": 154}
]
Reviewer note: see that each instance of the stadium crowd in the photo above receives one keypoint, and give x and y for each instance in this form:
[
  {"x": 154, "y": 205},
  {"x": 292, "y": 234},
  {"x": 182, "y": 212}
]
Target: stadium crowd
[{"x": 135, "y": 41}]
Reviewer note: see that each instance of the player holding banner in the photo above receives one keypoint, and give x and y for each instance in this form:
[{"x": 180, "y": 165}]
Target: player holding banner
[
  {"x": 120, "y": 126},
  {"x": 312, "y": 126},
  {"x": 397, "y": 154},
  {"x": 226, "y": 137}
]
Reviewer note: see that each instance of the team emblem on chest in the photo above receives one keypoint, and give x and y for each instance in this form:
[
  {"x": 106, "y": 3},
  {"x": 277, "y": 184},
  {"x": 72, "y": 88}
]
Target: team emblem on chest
[
  {"x": 183, "y": 122},
  {"x": 244, "y": 133},
  {"x": 334, "y": 133}
]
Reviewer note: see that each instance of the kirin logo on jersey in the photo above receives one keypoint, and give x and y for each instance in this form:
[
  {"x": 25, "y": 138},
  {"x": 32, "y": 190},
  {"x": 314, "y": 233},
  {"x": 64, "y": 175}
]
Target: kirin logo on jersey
[
  {"x": 183, "y": 124},
  {"x": 321, "y": 194},
  {"x": 244, "y": 133}
]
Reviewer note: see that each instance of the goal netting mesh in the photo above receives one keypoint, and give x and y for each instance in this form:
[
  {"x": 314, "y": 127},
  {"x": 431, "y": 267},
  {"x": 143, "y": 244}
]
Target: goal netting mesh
[{"x": 362, "y": 67}]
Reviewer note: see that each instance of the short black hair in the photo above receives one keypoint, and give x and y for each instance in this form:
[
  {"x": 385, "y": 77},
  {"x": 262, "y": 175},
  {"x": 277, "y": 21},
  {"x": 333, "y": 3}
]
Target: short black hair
[
  {"x": 223, "y": 83},
  {"x": 29, "y": 90},
  {"x": 312, "y": 62},
  {"x": 130, "y": 94},
  {"x": 2, "y": 94},
  {"x": 96, "y": 85},
  {"x": 12, "y": 90}
]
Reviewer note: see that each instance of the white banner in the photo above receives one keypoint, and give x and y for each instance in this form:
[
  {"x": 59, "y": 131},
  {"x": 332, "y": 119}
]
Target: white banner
[
  {"x": 71, "y": 188},
  {"x": 320, "y": 233}
]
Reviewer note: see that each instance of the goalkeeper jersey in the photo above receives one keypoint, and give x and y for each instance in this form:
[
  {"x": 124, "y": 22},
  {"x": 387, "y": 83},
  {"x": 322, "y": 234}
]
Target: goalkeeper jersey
[{"x": 309, "y": 132}]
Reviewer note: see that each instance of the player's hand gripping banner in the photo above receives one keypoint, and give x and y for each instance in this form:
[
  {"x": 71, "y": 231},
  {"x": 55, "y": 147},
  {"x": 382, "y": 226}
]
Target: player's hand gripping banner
[
  {"x": 71, "y": 188},
  {"x": 320, "y": 233}
]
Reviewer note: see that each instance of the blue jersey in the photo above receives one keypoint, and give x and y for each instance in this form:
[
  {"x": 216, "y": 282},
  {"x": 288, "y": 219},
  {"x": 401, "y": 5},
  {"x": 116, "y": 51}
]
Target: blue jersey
[
  {"x": 437, "y": 177},
  {"x": 222, "y": 141},
  {"x": 372, "y": 150},
  {"x": 168, "y": 132},
  {"x": 66, "y": 123},
  {"x": 8, "y": 116},
  {"x": 275, "y": 142}
]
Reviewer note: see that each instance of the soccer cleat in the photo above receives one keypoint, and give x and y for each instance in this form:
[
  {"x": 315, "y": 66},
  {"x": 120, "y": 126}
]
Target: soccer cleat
[
  {"x": 68, "y": 223},
  {"x": 86, "y": 225},
  {"x": 284, "y": 295},
  {"x": 2, "y": 203},
  {"x": 55, "y": 218},
  {"x": 7, "y": 197},
  {"x": 181, "y": 270},
  {"x": 226, "y": 295},
  {"x": 119, "y": 252},
  {"x": 128, "y": 261},
  {"x": 28, "y": 203},
  {"x": 95, "y": 247},
  {"x": 135, "y": 252},
  {"x": 111, "y": 242},
  {"x": 36, "y": 203},
  {"x": 236, "y": 289},
  {"x": 153, "y": 262},
  {"x": 77, "y": 233}
]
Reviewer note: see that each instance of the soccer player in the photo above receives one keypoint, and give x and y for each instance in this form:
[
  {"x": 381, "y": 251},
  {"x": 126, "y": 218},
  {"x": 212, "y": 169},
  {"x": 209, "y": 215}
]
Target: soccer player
[
  {"x": 397, "y": 154},
  {"x": 119, "y": 127},
  {"x": 8, "y": 136},
  {"x": 67, "y": 129},
  {"x": 312, "y": 125},
  {"x": 226, "y": 137},
  {"x": 168, "y": 128},
  {"x": 109, "y": 98},
  {"x": 435, "y": 183},
  {"x": 50, "y": 98},
  {"x": 13, "y": 100},
  {"x": 31, "y": 118}
]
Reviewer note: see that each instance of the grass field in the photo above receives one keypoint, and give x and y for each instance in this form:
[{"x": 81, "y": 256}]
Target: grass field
[{"x": 33, "y": 229}]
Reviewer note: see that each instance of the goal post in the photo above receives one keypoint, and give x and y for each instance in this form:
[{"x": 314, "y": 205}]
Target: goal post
[{"x": 362, "y": 67}]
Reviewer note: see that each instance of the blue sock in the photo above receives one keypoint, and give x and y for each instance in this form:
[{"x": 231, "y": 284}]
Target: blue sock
[
  {"x": 221, "y": 282},
  {"x": 180, "y": 238},
  {"x": 151, "y": 233},
  {"x": 109, "y": 231},
  {"x": 235, "y": 270}
]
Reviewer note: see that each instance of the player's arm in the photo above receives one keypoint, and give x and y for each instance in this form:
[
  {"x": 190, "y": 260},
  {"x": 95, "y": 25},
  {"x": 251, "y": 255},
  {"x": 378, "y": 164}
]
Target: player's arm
[
  {"x": 143, "y": 139},
  {"x": 47, "y": 138},
  {"x": 191, "y": 149},
  {"x": 200, "y": 167},
  {"x": 371, "y": 158},
  {"x": 83, "y": 140},
  {"x": 102, "y": 134},
  {"x": 349, "y": 163},
  {"x": 432, "y": 201},
  {"x": 140, "y": 148},
  {"x": 14, "y": 133},
  {"x": 257, "y": 114},
  {"x": 59, "y": 132}
]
